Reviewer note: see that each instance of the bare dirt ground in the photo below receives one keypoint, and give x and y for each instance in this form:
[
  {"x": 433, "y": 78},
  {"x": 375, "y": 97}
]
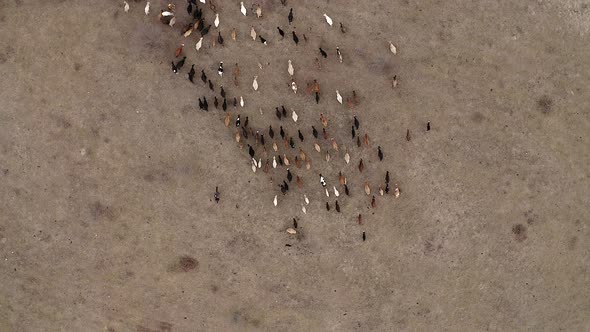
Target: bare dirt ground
[{"x": 108, "y": 168}]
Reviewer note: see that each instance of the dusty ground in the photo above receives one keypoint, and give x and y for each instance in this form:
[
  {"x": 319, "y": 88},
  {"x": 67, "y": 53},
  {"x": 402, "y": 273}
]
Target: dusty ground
[{"x": 108, "y": 169}]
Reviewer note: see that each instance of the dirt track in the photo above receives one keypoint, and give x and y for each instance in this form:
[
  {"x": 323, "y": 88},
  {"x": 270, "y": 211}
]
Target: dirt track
[{"x": 107, "y": 218}]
